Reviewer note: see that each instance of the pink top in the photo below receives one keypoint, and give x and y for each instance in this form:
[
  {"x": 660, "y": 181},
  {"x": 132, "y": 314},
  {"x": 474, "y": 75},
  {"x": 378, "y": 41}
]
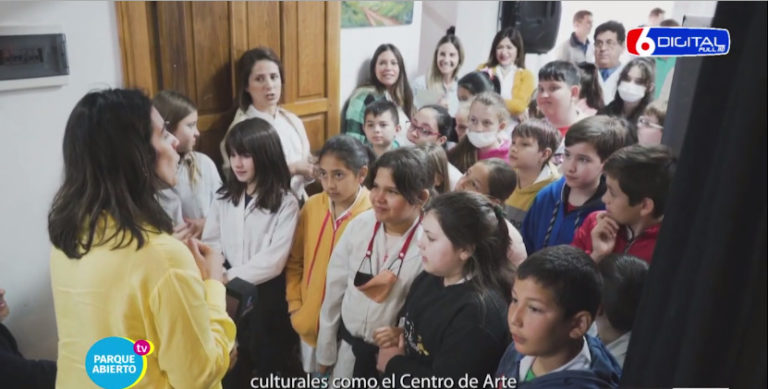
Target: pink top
[{"x": 499, "y": 152}]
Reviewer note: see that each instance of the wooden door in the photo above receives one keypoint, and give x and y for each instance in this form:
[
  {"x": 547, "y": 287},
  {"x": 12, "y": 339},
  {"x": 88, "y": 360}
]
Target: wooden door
[{"x": 193, "y": 47}]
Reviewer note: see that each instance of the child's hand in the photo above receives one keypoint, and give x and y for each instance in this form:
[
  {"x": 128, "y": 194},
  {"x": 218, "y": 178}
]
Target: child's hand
[
  {"x": 387, "y": 353},
  {"x": 603, "y": 236},
  {"x": 195, "y": 227},
  {"x": 183, "y": 232},
  {"x": 387, "y": 336}
]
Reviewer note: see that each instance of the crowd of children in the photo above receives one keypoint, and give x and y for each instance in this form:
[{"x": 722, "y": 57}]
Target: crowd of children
[{"x": 444, "y": 209}]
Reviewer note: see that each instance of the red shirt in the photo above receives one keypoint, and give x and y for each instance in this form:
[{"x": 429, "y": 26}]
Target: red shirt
[{"x": 642, "y": 247}]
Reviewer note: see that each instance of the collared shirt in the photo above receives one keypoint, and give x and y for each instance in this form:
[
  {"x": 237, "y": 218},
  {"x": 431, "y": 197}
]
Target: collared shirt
[
  {"x": 581, "y": 361},
  {"x": 618, "y": 348},
  {"x": 605, "y": 73}
]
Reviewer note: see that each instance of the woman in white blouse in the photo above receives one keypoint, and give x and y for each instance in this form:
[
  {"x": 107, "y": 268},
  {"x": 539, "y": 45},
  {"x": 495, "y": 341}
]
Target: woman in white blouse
[{"x": 440, "y": 84}]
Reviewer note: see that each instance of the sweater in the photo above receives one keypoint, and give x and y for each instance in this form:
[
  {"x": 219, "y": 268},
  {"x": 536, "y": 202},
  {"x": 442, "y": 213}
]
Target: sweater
[
  {"x": 521, "y": 199},
  {"x": 354, "y": 115},
  {"x": 152, "y": 293},
  {"x": 541, "y": 229},
  {"x": 316, "y": 235},
  {"x": 522, "y": 88},
  {"x": 451, "y": 330},
  {"x": 642, "y": 247},
  {"x": 604, "y": 371}
]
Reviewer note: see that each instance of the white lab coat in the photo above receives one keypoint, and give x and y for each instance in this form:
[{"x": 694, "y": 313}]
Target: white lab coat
[
  {"x": 361, "y": 315},
  {"x": 193, "y": 202},
  {"x": 610, "y": 85},
  {"x": 255, "y": 241},
  {"x": 293, "y": 138}
]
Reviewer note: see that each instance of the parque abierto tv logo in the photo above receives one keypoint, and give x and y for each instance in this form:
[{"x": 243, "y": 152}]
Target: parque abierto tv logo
[{"x": 678, "y": 41}]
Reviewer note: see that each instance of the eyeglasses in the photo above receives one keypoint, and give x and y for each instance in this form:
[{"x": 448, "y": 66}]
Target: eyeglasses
[
  {"x": 422, "y": 131},
  {"x": 607, "y": 44},
  {"x": 646, "y": 122}
]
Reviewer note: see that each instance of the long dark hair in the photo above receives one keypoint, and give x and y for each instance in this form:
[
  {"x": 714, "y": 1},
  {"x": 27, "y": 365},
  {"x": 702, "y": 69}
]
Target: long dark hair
[
  {"x": 244, "y": 67},
  {"x": 517, "y": 40},
  {"x": 590, "y": 85},
  {"x": 401, "y": 92},
  {"x": 470, "y": 220},
  {"x": 616, "y": 107},
  {"x": 109, "y": 170},
  {"x": 408, "y": 172},
  {"x": 259, "y": 140},
  {"x": 350, "y": 151}
]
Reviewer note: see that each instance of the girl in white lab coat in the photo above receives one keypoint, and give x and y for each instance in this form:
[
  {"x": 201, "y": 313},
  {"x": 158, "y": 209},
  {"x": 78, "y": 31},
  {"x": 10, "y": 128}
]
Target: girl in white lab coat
[
  {"x": 373, "y": 265},
  {"x": 252, "y": 223},
  {"x": 197, "y": 180}
]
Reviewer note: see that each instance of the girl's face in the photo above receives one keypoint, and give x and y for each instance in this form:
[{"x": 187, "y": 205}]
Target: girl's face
[
  {"x": 475, "y": 179},
  {"x": 242, "y": 167},
  {"x": 555, "y": 98},
  {"x": 264, "y": 85},
  {"x": 484, "y": 118},
  {"x": 439, "y": 256},
  {"x": 462, "y": 124},
  {"x": 423, "y": 128},
  {"x": 387, "y": 68},
  {"x": 388, "y": 203},
  {"x": 447, "y": 58},
  {"x": 338, "y": 181},
  {"x": 635, "y": 76},
  {"x": 463, "y": 94},
  {"x": 506, "y": 52},
  {"x": 187, "y": 133},
  {"x": 164, "y": 143}
]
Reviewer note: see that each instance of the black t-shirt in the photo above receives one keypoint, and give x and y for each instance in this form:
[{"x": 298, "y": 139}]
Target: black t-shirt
[{"x": 451, "y": 331}]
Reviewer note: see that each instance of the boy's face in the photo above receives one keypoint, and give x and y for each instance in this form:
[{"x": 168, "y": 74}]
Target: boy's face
[
  {"x": 524, "y": 153},
  {"x": 536, "y": 321},
  {"x": 380, "y": 130},
  {"x": 555, "y": 98},
  {"x": 582, "y": 166},
  {"x": 617, "y": 204},
  {"x": 649, "y": 131}
]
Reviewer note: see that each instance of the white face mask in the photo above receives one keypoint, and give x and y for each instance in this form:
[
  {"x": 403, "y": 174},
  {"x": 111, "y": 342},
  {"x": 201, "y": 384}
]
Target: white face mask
[
  {"x": 481, "y": 139},
  {"x": 631, "y": 92}
]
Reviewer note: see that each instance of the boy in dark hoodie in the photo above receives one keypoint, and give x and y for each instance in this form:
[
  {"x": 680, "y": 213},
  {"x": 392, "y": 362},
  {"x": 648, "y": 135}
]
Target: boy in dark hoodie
[
  {"x": 555, "y": 298},
  {"x": 561, "y": 207}
]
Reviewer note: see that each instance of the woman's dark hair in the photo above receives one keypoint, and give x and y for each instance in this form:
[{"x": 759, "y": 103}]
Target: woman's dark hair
[
  {"x": 478, "y": 82},
  {"x": 471, "y": 221},
  {"x": 464, "y": 155},
  {"x": 616, "y": 107},
  {"x": 350, "y": 151},
  {"x": 590, "y": 85},
  {"x": 517, "y": 40},
  {"x": 259, "y": 140},
  {"x": 437, "y": 161},
  {"x": 408, "y": 172},
  {"x": 109, "y": 170},
  {"x": 435, "y": 78},
  {"x": 445, "y": 122},
  {"x": 401, "y": 92},
  {"x": 244, "y": 67}
]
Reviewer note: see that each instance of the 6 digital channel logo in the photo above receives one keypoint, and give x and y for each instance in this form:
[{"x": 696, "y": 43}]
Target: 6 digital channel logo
[{"x": 678, "y": 41}]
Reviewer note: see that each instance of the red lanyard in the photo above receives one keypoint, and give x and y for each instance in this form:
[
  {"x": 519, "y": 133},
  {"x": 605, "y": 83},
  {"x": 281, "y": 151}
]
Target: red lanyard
[{"x": 403, "y": 250}]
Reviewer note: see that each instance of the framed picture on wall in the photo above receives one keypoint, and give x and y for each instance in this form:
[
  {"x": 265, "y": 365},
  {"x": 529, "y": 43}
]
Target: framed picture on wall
[{"x": 375, "y": 13}]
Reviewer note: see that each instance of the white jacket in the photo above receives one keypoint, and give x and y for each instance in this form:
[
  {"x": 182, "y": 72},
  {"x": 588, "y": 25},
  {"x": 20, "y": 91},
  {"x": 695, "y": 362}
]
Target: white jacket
[
  {"x": 255, "y": 241},
  {"x": 193, "y": 201},
  {"x": 343, "y": 300},
  {"x": 293, "y": 138},
  {"x": 610, "y": 85}
]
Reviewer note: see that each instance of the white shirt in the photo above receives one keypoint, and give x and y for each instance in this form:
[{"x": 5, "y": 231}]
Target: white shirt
[
  {"x": 361, "y": 315},
  {"x": 618, "y": 348},
  {"x": 422, "y": 95},
  {"x": 610, "y": 84},
  {"x": 454, "y": 175},
  {"x": 581, "y": 361},
  {"x": 255, "y": 241},
  {"x": 506, "y": 82},
  {"x": 293, "y": 138},
  {"x": 193, "y": 201}
]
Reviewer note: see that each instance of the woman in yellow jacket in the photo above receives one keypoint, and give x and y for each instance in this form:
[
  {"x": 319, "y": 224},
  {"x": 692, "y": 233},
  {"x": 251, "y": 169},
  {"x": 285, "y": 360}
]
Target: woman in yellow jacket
[
  {"x": 115, "y": 269},
  {"x": 342, "y": 167},
  {"x": 506, "y": 66}
]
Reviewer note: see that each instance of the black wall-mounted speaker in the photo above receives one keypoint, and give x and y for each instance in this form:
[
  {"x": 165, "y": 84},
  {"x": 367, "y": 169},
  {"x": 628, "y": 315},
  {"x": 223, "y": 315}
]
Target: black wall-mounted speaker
[{"x": 537, "y": 21}]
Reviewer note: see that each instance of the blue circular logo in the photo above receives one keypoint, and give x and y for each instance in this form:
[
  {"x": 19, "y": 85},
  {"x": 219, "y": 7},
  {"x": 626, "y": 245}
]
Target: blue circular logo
[{"x": 117, "y": 363}]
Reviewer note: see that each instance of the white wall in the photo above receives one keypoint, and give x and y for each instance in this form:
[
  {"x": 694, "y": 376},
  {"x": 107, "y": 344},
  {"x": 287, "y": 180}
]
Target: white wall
[
  {"x": 31, "y": 163},
  {"x": 358, "y": 44}
]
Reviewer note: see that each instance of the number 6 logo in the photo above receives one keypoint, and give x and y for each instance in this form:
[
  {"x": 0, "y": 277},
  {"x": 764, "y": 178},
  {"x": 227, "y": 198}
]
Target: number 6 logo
[{"x": 639, "y": 43}]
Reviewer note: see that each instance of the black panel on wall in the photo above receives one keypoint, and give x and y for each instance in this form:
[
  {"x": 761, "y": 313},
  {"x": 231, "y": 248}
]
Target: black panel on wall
[{"x": 538, "y": 22}]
